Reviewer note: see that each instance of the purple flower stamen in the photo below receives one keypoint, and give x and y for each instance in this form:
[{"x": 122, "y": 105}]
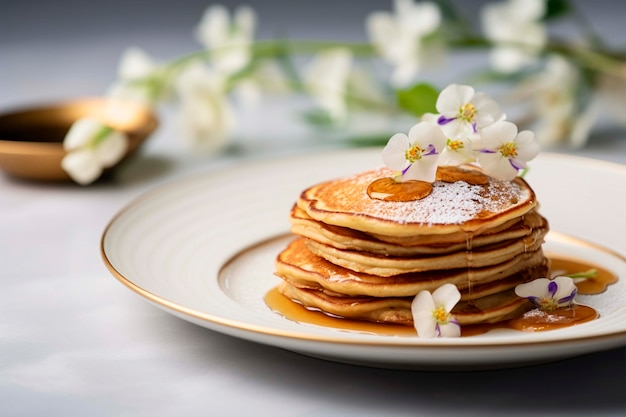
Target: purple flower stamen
[
  {"x": 474, "y": 127},
  {"x": 431, "y": 150}
]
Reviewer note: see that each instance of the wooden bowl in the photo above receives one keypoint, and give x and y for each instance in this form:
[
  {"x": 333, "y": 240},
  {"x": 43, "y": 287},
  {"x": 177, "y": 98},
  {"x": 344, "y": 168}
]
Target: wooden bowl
[{"x": 31, "y": 139}]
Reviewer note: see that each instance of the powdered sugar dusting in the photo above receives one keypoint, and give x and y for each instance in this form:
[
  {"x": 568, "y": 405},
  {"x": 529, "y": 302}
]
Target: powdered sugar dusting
[{"x": 449, "y": 203}]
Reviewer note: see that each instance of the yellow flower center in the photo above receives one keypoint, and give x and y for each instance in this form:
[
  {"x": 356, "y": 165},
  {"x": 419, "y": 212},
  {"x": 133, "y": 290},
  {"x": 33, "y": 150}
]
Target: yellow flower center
[
  {"x": 509, "y": 150},
  {"x": 467, "y": 112},
  {"x": 440, "y": 315},
  {"x": 549, "y": 304},
  {"x": 413, "y": 154},
  {"x": 455, "y": 145}
]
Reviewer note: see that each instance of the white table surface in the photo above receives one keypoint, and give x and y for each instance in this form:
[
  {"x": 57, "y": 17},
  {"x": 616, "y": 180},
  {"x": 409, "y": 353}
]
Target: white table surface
[{"x": 75, "y": 342}]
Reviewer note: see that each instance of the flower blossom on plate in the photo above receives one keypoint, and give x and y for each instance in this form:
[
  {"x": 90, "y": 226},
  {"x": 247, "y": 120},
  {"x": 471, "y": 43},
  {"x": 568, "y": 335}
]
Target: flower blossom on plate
[
  {"x": 549, "y": 294},
  {"x": 516, "y": 29},
  {"x": 415, "y": 156},
  {"x": 400, "y": 37},
  {"x": 431, "y": 312},
  {"x": 464, "y": 112},
  {"x": 505, "y": 150},
  {"x": 91, "y": 147},
  {"x": 326, "y": 78},
  {"x": 140, "y": 79},
  {"x": 206, "y": 116},
  {"x": 228, "y": 40}
]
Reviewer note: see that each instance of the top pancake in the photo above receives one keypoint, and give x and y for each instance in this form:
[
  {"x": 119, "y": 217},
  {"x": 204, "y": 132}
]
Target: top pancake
[{"x": 452, "y": 207}]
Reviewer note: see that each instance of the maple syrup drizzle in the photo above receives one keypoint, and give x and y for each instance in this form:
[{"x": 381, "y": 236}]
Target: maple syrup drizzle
[
  {"x": 532, "y": 321},
  {"x": 388, "y": 189}
]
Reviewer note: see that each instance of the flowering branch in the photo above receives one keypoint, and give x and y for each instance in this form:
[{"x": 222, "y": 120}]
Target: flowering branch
[{"x": 562, "y": 86}]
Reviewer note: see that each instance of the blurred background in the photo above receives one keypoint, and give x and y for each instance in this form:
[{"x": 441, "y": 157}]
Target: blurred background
[{"x": 65, "y": 49}]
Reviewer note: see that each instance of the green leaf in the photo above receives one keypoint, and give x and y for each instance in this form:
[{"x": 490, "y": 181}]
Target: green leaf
[
  {"x": 319, "y": 118},
  {"x": 418, "y": 99},
  {"x": 556, "y": 9}
]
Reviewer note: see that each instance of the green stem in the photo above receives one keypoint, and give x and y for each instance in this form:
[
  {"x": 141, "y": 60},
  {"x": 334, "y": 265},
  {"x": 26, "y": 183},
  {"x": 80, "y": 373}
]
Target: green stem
[{"x": 592, "y": 273}]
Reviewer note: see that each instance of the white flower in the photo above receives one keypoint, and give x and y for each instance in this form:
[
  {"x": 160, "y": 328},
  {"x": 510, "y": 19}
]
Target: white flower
[
  {"x": 431, "y": 313},
  {"x": 399, "y": 37},
  {"x": 515, "y": 27},
  {"x": 326, "y": 78},
  {"x": 139, "y": 78},
  {"x": 549, "y": 294},
  {"x": 552, "y": 104},
  {"x": 458, "y": 150},
  {"x": 206, "y": 116},
  {"x": 505, "y": 150},
  {"x": 415, "y": 155},
  {"x": 229, "y": 41},
  {"x": 91, "y": 147},
  {"x": 463, "y": 111}
]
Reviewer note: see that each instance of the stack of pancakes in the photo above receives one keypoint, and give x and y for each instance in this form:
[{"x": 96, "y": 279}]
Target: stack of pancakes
[{"x": 364, "y": 253}]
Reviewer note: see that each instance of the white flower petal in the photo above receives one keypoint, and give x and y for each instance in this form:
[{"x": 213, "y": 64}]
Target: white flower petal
[
  {"x": 81, "y": 133},
  {"x": 135, "y": 63},
  {"x": 111, "y": 149},
  {"x": 535, "y": 288},
  {"x": 422, "y": 310},
  {"x": 394, "y": 152},
  {"x": 487, "y": 110},
  {"x": 425, "y": 134},
  {"x": 497, "y": 166},
  {"x": 425, "y": 325},
  {"x": 82, "y": 166},
  {"x": 565, "y": 287},
  {"x": 452, "y": 98},
  {"x": 497, "y": 134},
  {"x": 451, "y": 329},
  {"x": 447, "y": 295},
  {"x": 528, "y": 147},
  {"x": 423, "y": 301},
  {"x": 423, "y": 170}
]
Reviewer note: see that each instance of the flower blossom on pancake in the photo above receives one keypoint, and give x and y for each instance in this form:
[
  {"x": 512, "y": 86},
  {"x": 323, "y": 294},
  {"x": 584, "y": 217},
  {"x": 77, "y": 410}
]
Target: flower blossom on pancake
[
  {"x": 463, "y": 111},
  {"x": 458, "y": 150},
  {"x": 431, "y": 312},
  {"x": 415, "y": 156},
  {"x": 549, "y": 294},
  {"x": 505, "y": 151},
  {"x": 91, "y": 147}
]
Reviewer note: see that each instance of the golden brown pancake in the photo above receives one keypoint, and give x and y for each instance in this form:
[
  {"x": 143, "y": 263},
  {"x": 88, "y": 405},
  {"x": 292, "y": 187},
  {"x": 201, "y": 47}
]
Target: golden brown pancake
[
  {"x": 300, "y": 267},
  {"x": 450, "y": 208},
  {"x": 348, "y": 239},
  {"x": 489, "y": 309}
]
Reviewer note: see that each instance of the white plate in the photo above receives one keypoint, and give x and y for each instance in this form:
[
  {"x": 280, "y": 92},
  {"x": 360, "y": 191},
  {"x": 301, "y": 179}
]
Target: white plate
[{"x": 203, "y": 249}]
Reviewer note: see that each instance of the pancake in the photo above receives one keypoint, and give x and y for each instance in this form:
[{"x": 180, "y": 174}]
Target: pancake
[
  {"x": 489, "y": 309},
  {"x": 452, "y": 207},
  {"x": 303, "y": 269},
  {"x": 348, "y": 239},
  {"x": 388, "y": 265}
]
